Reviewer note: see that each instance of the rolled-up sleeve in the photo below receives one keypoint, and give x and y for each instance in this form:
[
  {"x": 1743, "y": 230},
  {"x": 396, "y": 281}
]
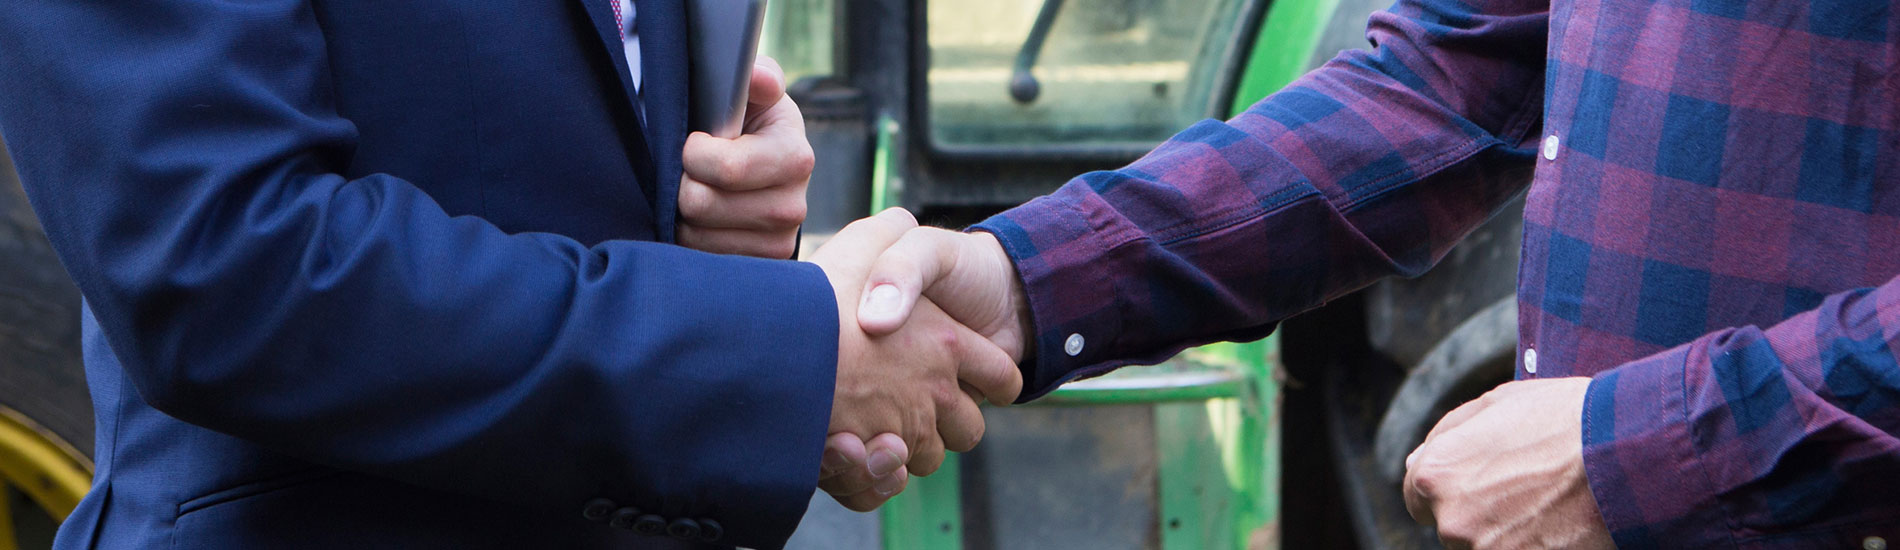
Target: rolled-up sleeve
[
  {"x": 1750, "y": 437},
  {"x": 1373, "y": 165}
]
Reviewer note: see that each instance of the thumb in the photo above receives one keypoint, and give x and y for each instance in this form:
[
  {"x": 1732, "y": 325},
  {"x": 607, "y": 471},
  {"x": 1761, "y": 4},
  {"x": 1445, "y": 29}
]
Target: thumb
[
  {"x": 900, "y": 275},
  {"x": 767, "y": 85}
]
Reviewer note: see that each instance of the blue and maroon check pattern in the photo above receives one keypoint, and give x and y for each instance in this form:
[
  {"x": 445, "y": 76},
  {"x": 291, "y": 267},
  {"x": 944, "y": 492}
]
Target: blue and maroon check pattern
[{"x": 1712, "y": 231}]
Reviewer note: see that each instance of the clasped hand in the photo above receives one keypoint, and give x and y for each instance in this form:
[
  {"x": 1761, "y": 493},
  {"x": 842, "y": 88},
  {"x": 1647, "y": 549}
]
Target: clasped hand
[
  {"x": 933, "y": 322},
  {"x": 908, "y": 383},
  {"x": 908, "y": 387},
  {"x": 1504, "y": 471}
]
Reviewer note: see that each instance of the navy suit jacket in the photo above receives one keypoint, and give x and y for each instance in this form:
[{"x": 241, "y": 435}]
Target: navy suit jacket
[{"x": 371, "y": 274}]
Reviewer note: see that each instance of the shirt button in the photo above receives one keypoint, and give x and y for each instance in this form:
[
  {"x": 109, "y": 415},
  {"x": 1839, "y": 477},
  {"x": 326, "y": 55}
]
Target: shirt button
[
  {"x": 1550, "y": 148},
  {"x": 1530, "y": 360},
  {"x": 1873, "y": 543},
  {"x": 1074, "y": 345}
]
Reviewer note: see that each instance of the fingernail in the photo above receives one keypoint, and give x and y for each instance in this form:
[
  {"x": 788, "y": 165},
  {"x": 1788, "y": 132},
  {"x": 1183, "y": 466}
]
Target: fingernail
[
  {"x": 883, "y": 463},
  {"x": 887, "y": 485},
  {"x": 1411, "y": 458},
  {"x": 834, "y": 461},
  {"x": 883, "y": 301}
]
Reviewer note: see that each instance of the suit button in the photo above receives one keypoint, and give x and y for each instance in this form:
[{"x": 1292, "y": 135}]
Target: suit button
[
  {"x": 710, "y": 531},
  {"x": 597, "y": 509},
  {"x": 683, "y": 529},
  {"x": 625, "y": 518},
  {"x": 649, "y": 525}
]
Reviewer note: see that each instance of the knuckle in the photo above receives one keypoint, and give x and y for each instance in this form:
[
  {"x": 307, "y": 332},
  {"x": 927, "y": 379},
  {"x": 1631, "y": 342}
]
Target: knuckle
[
  {"x": 1456, "y": 530},
  {"x": 787, "y": 214},
  {"x": 695, "y": 200},
  {"x": 1427, "y": 481},
  {"x": 945, "y": 396},
  {"x": 803, "y": 160},
  {"x": 945, "y": 338},
  {"x": 973, "y": 435},
  {"x": 730, "y": 168}
]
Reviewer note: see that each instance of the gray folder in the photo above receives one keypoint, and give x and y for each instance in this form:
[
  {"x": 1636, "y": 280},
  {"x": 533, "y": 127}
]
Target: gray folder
[{"x": 725, "y": 42}]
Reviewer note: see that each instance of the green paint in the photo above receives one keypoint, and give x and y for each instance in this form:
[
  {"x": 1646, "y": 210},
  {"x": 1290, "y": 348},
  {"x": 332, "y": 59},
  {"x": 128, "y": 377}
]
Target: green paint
[
  {"x": 1219, "y": 471},
  {"x": 928, "y": 515},
  {"x": 886, "y": 188},
  {"x": 1287, "y": 39},
  {"x": 1196, "y": 499},
  {"x": 1214, "y": 371},
  {"x": 1219, "y": 441},
  {"x": 1136, "y": 396}
]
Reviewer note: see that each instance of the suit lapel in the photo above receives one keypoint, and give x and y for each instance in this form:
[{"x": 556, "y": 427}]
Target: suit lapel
[
  {"x": 641, "y": 148},
  {"x": 662, "y": 25}
]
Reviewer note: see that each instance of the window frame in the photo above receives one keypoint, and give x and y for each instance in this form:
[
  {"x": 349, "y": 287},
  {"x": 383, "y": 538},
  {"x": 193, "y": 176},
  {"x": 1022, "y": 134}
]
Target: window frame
[{"x": 1224, "y": 86}]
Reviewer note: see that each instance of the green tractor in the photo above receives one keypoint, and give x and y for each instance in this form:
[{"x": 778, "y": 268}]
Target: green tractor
[{"x": 957, "y": 110}]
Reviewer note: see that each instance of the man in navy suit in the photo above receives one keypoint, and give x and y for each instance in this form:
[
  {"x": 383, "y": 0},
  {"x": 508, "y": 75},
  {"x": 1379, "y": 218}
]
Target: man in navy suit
[{"x": 399, "y": 274}]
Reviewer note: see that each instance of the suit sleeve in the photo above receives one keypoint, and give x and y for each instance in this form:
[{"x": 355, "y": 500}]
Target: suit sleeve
[
  {"x": 1373, "y": 165},
  {"x": 1756, "y": 437},
  {"x": 185, "y": 158}
]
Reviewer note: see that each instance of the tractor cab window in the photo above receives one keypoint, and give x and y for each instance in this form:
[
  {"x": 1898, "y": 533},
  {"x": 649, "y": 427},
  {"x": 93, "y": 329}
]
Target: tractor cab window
[
  {"x": 800, "y": 35},
  {"x": 1075, "y": 72}
]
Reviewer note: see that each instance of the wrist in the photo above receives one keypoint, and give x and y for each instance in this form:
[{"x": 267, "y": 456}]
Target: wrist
[{"x": 1016, "y": 336}]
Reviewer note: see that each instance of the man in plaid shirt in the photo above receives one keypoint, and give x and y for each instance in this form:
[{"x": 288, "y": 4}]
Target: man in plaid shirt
[{"x": 1707, "y": 295}]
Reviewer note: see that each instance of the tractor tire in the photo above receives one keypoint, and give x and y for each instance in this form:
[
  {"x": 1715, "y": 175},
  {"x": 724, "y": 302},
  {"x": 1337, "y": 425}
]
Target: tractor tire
[{"x": 40, "y": 372}]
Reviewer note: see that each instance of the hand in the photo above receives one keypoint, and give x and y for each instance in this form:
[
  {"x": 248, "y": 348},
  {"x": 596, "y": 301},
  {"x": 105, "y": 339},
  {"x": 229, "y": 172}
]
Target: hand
[
  {"x": 856, "y": 480},
  {"x": 1506, "y": 471},
  {"x": 966, "y": 274},
  {"x": 978, "y": 287},
  {"x": 747, "y": 195},
  {"x": 920, "y": 383}
]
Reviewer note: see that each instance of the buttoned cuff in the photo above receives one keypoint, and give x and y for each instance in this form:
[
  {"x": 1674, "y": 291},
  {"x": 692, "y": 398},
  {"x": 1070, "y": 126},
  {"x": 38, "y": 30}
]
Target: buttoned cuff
[
  {"x": 1065, "y": 262},
  {"x": 1649, "y": 480}
]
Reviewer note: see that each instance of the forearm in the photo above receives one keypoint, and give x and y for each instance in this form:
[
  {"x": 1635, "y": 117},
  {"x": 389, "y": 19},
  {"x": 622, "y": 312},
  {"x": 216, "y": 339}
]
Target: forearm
[
  {"x": 187, "y": 160},
  {"x": 1756, "y": 437},
  {"x": 1374, "y": 165}
]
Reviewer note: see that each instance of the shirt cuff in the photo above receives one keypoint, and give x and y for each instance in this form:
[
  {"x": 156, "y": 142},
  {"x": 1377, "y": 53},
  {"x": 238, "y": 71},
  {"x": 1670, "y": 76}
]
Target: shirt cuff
[
  {"x": 1639, "y": 455},
  {"x": 1064, "y": 260}
]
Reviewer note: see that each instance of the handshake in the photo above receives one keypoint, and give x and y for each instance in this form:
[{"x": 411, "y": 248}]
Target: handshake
[
  {"x": 911, "y": 371},
  {"x": 930, "y": 324}
]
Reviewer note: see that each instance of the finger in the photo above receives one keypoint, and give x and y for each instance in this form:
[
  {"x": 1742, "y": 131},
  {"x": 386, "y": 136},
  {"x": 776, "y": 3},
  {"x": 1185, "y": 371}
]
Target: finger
[
  {"x": 900, "y": 276},
  {"x": 927, "y": 455},
  {"x": 773, "y": 208},
  {"x": 987, "y": 368},
  {"x": 877, "y": 496},
  {"x": 975, "y": 395},
  {"x": 892, "y": 446},
  {"x": 776, "y": 245},
  {"x": 891, "y": 453},
  {"x": 1456, "y": 417},
  {"x": 1417, "y": 502},
  {"x": 850, "y": 477},
  {"x": 843, "y": 452},
  {"x": 767, "y": 86},
  {"x": 959, "y": 421},
  {"x": 751, "y": 161}
]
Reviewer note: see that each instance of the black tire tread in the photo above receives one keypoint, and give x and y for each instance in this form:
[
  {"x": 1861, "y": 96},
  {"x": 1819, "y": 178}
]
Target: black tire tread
[{"x": 40, "y": 371}]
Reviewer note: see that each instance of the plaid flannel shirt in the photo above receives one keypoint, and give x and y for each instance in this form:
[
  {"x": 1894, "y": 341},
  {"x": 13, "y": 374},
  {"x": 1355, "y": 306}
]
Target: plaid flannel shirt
[{"x": 1712, "y": 230}]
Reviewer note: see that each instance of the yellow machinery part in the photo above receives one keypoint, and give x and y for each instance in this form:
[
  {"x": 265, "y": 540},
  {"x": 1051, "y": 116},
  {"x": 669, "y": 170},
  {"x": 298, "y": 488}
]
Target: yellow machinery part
[
  {"x": 40, "y": 465},
  {"x": 6, "y": 519}
]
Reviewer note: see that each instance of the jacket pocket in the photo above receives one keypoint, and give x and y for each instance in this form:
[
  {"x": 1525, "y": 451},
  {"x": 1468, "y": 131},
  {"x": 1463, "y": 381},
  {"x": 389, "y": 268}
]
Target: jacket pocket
[{"x": 254, "y": 488}]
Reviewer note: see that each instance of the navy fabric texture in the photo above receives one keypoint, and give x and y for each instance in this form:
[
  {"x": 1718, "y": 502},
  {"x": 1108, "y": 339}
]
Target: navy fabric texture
[{"x": 372, "y": 274}]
